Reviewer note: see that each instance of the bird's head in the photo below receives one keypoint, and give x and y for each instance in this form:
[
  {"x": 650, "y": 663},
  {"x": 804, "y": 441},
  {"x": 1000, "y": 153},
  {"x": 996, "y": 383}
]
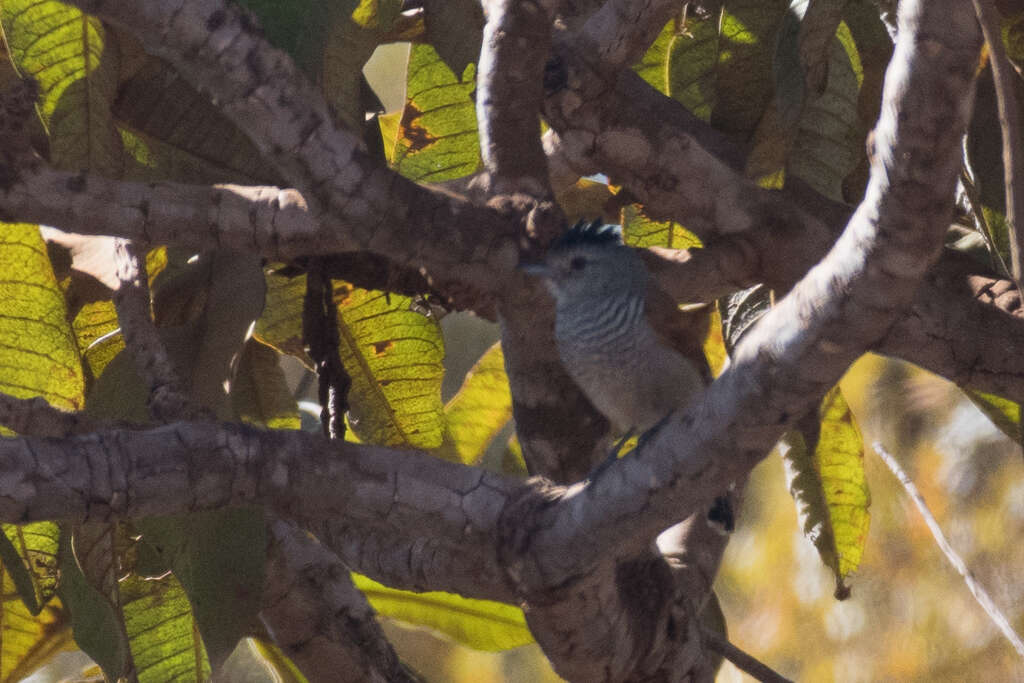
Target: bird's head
[{"x": 590, "y": 262}]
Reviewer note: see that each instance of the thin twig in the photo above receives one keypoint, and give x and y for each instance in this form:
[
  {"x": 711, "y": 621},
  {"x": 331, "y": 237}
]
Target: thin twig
[
  {"x": 1009, "y": 119},
  {"x": 746, "y": 663},
  {"x": 977, "y": 590},
  {"x": 320, "y": 331}
]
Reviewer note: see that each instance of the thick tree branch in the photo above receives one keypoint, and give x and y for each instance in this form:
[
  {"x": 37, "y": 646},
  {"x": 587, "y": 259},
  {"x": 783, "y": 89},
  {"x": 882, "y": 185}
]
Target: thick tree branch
[
  {"x": 619, "y": 33},
  {"x": 965, "y": 327},
  {"x": 183, "y": 467},
  {"x": 509, "y": 92}
]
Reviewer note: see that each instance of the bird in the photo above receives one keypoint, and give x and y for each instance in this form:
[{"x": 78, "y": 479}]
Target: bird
[{"x": 635, "y": 355}]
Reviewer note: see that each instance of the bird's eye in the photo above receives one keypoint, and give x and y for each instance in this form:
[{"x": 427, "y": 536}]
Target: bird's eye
[{"x": 578, "y": 263}]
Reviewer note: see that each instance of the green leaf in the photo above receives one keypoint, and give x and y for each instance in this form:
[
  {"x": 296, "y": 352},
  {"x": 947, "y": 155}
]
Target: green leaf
[
  {"x": 29, "y": 555},
  {"x": 652, "y": 66},
  {"x": 393, "y": 354},
  {"x": 213, "y": 300},
  {"x": 259, "y": 391},
  {"x": 119, "y": 393},
  {"x": 999, "y": 231},
  {"x": 169, "y": 129},
  {"x": 479, "y": 624},
  {"x": 299, "y": 27},
  {"x": 67, "y": 53},
  {"x": 29, "y": 641},
  {"x": 828, "y": 142},
  {"x": 482, "y": 407},
  {"x": 455, "y": 30},
  {"x": 1013, "y": 35},
  {"x": 356, "y": 31},
  {"x": 219, "y": 559},
  {"x": 284, "y": 670},
  {"x": 165, "y": 643},
  {"x": 95, "y": 621},
  {"x": 1004, "y": 413},
  {"x": 584, "y": 199},
  {"x": 825, "y": 474},
  {"x": 640, "y": 231},
  {"x": 438, "y": 137},
  {"x": 96, "y": 329},
  {"x": 38, "y": 351},
  {"x": 232, "y": 287}
]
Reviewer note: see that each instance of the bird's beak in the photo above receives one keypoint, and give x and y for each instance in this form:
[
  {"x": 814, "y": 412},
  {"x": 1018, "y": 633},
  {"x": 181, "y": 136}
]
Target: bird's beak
[{"x": 538, "y": 269}]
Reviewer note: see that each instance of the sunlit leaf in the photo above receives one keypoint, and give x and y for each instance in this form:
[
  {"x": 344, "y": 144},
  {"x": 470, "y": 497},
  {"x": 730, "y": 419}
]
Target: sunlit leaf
[
  {"x": 38, "y": 352},
  {"x": 67, "y": 53},
  {"x": 29, "y": 555},
  {"x": 259, "y": 391},
  {"x": 714, "y": 344},
  {"x": 482, "y": 407},
  {"x": 165, "y": 643},
  {"x": 95, "y": 619},
  {"x": 584, "y": 200},
  {"x": 825, "y": 474},
  {"x": 652, "y": 66},
  {"x": 392, "y": 353},
  {"x": 640, "y": 231},
  {"x": 480, "y": 624},
  {"x": 438, "y": 136},
  {"x": 96, "y": 328},
  {"x": 29, "y": 641},
  {"x": 284, "y": 669},
  {"x": 1004, "y": 413},
  {"x": 219, "y": 558}
]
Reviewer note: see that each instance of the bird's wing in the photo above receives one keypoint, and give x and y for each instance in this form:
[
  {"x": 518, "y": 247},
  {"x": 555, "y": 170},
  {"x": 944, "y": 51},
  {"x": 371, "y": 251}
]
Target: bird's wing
[{"x": 683, "y": 331}]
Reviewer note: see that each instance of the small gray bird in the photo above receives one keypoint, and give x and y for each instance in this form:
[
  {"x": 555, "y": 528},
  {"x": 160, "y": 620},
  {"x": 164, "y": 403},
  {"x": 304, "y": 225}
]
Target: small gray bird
[{"x": 623, "y": 340}]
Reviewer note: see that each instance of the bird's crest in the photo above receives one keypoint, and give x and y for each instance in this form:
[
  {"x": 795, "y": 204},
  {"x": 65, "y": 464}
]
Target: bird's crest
[{"x": 589, "y": 232}]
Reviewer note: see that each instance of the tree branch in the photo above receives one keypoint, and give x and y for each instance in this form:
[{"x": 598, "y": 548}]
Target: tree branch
[
  {"x": 319, "y": 618},
  {"x": 183, "y": 467},
  {"x": 977, "y": 590},
  {"x": 167, "y": 398},
  {"x": 619, "y": 33},
  {"x": 509, "y": 92}
]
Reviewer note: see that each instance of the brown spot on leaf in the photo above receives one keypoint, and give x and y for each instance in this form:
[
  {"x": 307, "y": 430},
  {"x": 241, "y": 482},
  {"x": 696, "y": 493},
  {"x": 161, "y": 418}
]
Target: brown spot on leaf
[
  {"x": 415, "y": 136},
  {"x": 380, "y": 348}
]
